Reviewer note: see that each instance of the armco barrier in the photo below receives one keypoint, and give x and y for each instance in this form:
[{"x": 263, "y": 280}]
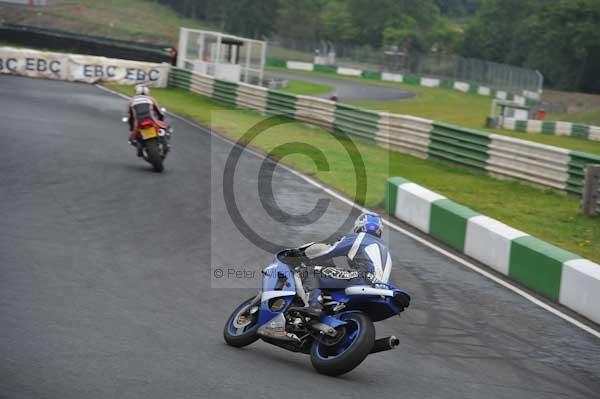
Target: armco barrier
[
  {"x": 498, "y": 155},
  {"x": 577, "y": 130},
  {"x": 460, "y": 145},
  {"x": 180, "y": 78},
  {"x": 576, "y": 170},
  {"x": 402, "y": 133},
  {"x": 316, "y": 111},
  {"x": 252, "y": 97},
  {"x": 537, "y": 163},
  {"x": 548, "y": 270},
  {"x": 356, "y": 121},
  {"x": 526, "y": 97},
  {"x": 280, "y": 103},
  {"x": 80, "y": 68},
  {"x": 225, "y": 92}
]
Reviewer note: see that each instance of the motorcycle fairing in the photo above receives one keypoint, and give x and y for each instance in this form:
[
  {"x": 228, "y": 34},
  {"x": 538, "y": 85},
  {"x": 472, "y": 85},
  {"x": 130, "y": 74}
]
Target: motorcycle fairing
[
  {"x": 376, "y": 302},
  {"x": 278, "y": 281}
]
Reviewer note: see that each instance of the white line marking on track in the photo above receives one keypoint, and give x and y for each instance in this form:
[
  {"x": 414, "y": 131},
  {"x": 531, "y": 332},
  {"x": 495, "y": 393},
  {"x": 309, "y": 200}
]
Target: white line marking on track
[{"x": 396, "y": 227}]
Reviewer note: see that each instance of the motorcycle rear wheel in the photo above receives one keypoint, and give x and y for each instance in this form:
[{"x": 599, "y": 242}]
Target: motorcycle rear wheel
[
  {"x": 241, "y": 337},
  {"x": 153, "y": 155},
  {"x": 344, "y": 354}
]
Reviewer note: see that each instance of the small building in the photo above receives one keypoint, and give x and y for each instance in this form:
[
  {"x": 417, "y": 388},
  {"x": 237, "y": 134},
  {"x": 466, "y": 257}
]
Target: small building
[{"x": 223, "y": 56}]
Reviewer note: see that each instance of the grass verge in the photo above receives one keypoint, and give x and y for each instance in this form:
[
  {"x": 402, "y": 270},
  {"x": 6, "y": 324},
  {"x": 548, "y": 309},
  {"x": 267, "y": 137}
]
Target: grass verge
[
  {"x": 590, "y": 117},
  {"x": 139, "y": 20},
  {"x": 451, "y": 106},
  {"x": 546, "y": 214},
  {"x": 303, "y": 87}
]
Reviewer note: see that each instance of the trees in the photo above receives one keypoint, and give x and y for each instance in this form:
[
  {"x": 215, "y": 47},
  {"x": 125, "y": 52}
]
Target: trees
[
  {"x": 417, "y": 24},
  {"x": 458, "y": 8},
  {"x": 250, "y": 18},
  {"x": 566, "y": 45},
  {"x": 299, "y": 19},
  {"x": 338, "y": 23},
  {"x": 561, "y": 38}
]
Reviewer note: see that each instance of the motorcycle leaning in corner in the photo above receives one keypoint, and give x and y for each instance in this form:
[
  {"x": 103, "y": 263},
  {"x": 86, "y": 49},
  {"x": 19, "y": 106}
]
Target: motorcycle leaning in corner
[{"x": 338, "y": 340}]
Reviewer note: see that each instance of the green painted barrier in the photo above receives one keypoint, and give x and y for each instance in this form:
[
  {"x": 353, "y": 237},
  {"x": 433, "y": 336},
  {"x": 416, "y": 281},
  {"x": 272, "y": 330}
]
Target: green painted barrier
[
  {"x": 276, "y": 63},
  {"x": 225, "y": 92},
  {"x": 371, "y": 75},
  {"x": 580, "y": 131},
  {"x": 413, "y": 80},
  {"x": 356, "y": 121},
  {"x": 325, "y": 68},
  {"x": 521, "y": 126},
  {"x": 548, "y": 127},
  {"x": 538, "y": 265},
  {"x": 391, "y": 193},
  {"x": 280, "y": 103},
  {"x": 458, "y": 144},
  {"x": 448, "y": 222},
  {"x": 576, "y": 171},
  {"x": 181, "y": 78}
]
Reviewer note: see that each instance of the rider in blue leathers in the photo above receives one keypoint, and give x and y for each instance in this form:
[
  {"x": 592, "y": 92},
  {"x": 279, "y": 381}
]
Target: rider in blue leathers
[{"x": 367, "y": 256}]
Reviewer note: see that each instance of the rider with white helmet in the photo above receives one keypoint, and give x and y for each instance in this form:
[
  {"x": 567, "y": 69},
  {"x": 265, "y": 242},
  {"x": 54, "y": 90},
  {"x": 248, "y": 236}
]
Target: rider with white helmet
[
  {"x": 143, "y": 106},
  {"x": 141, "y": 90}
]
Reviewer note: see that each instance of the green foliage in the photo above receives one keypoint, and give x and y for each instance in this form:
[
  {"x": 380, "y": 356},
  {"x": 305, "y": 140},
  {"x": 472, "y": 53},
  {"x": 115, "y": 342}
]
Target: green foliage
[
  {"x": 559, "y": 37},
  {"x": 299, "y": 19},
  {"x": 411, "y": 24},
  {"x": 458, "y": 8},
  {"x": 569, "y": 32},
  {"x": 337, "y": 22}
]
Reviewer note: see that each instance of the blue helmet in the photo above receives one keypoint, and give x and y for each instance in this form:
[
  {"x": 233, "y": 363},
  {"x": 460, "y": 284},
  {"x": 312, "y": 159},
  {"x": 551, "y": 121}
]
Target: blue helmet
[{"x": 369, "y": 223}]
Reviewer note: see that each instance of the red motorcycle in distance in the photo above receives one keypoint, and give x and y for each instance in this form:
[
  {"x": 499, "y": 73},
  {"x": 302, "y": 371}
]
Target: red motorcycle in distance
[{"x": 152, "y": 141}]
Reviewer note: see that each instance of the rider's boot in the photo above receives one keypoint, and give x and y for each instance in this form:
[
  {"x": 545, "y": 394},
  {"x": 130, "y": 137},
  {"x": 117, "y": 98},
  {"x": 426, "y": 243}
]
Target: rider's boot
[
  {"x": 315, "y": 306},
  {"x": 140, "y": 150}
]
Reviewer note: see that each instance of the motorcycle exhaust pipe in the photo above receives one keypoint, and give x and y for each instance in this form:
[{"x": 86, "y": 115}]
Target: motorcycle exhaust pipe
[{"x": 385, "y": 344}]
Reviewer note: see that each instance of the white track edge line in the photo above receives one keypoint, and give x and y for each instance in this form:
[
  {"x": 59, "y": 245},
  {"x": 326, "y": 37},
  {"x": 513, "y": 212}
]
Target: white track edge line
[{"x": 394, "y": 226}]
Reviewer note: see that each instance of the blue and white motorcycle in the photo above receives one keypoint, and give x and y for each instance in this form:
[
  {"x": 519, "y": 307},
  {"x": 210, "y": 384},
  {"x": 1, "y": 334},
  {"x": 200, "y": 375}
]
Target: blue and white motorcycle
[{"x": 338, "y": 341}]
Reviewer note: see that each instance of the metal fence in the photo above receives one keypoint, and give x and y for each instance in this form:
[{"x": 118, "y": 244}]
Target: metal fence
[{"x": 446, "y": 66}]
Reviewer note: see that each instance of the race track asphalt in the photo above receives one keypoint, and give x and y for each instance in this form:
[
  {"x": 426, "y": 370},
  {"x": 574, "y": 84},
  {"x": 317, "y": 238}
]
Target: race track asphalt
[
  {"x": 106, "y": 288},
  {"x": 348, "y": 89}
]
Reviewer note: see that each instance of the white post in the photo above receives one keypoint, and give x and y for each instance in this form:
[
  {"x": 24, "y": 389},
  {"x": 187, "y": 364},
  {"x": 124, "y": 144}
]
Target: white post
[
  {"x": 201, "y": 46},
  {"x": 263, "y": 56},
  {"x": 248, "y": 52},
  {"x": 182, "y": 51},
  {"x": 218, "y": 55}
]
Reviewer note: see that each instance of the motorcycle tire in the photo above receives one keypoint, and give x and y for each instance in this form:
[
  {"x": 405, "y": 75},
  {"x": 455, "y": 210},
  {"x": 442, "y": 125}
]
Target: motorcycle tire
[
  {"x": 232, "y": 337},
  {"x": 153, "y": 155},
  {"x": 326, "y": 359}
]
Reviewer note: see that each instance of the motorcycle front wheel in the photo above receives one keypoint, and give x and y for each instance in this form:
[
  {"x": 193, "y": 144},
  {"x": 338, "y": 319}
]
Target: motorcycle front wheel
[
  {"x": 338, "y": 355},
  {"x": 153, "y": 155},
  {"x": 241, "y": 329}
]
